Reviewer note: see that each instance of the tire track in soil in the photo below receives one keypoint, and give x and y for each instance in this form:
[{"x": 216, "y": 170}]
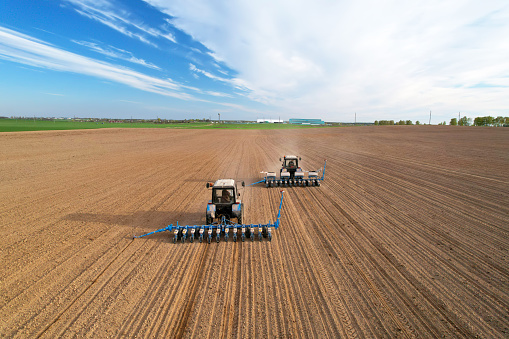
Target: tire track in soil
[
  {"x": 40, "y": 334},
  {"x": 158, "y": 291},
  {"x": 283, "y": 239},
  {"x": 163, "y": 200},
  {"x": 334, "y": 316},
  {"x": 52, "y": 284},
  {"x": 362, "y": 274},
  {"x": 161, "y": 327},
  {"x": 448, "y": 267},
  {"x": 438, "y": 305},
  {"x": 420, "y": 195},
  {"x": 281, "y": 296},
  {"x": 104, "y": 304},
  {"x": 81, "y": 234},
  {"x": 64, "y": 262},
  {"x": 231, "y": 289},
  {"x": 329, "y": 288},
  {"x": 278, "y": 259},
  {"x": 71, "y": 248},
  {"x": 299, "y": 262},
  {"x": 420, "y": 164},
  {"x": 392, "y": 196},
  {"x": 93, "y": 300},
  {"x": 432, "y": 191},
  {"x": 401, "y": 322},
  {"x": 191, "y": 297}
]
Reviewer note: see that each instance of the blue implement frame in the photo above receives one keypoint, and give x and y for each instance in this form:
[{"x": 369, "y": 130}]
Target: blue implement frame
[{"x": 223, "y": 227}]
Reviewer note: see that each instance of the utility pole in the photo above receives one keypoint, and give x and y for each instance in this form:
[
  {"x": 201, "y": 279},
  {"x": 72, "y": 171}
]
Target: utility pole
[
  {"x": 355, "y": 121},
  {"x": 219, "y": 115},
  {"x": 429, "y": 117}
]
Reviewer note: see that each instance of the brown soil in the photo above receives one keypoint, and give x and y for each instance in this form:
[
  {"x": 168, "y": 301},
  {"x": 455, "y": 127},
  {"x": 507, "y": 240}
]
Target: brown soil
[{"x": 408, "y": 236}]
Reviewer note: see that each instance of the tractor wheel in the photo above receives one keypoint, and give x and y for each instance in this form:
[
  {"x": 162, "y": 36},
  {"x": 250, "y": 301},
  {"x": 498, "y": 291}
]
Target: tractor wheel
[
  {"x": 239, "y": 218},
  {"x": 208, "y": 220}
]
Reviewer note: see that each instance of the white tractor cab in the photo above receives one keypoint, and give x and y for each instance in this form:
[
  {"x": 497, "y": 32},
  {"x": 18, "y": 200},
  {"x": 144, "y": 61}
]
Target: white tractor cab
[
  {"x": 225, "y": 202},
  {"x": 290, "y": 168}
]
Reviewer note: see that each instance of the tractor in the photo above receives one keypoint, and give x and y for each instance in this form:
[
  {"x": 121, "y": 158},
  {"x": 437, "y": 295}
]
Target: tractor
[
  {"x": 225, "y": 202},
  {"x": 290, "y": 166},
  {"x": 291, "y": 174}
]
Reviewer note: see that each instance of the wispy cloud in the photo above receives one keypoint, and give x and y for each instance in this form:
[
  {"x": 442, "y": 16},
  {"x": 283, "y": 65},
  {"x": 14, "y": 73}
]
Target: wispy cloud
[
  {"x": 111, "y": 14},
  {"x": 116, "y": 53},
  {"x": 239, "y": 84},
  {"x": 207, "y": 74},
  {"x": 20, "y": 48},
  {"x": 114, "y": 25},
  {"x": 219, "y": 94}
]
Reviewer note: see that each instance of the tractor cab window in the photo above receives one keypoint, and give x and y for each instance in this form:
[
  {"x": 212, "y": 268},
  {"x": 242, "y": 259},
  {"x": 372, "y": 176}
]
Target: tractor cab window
[
  {"x": 291, "y": 163},
  {"x": 223, "y": 195}
]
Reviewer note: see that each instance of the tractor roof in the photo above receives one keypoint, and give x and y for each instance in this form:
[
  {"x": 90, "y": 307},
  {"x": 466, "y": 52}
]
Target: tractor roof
[
  {"x": 291, "y": 157},
  {"x": 224, "y": 183}
]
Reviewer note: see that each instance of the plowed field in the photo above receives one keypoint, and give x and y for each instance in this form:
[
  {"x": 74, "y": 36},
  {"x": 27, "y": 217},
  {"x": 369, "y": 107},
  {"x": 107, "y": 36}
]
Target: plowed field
[{"x": 408, "y": 236}]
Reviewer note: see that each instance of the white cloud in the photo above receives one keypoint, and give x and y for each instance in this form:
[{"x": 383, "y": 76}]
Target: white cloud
[
  {"x": 219, "y": 94},
  {"x": 110, "y": 14},
  {"x": 20, "y": 48},
  {"x": 207, "y": 74},
  {"x": 334, "y": 58},
  {"x": 116, "y": 53}
]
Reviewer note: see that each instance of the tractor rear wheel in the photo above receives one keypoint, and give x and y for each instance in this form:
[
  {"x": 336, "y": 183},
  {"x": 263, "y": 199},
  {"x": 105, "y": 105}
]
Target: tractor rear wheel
[{"x": 239, "y": 218}]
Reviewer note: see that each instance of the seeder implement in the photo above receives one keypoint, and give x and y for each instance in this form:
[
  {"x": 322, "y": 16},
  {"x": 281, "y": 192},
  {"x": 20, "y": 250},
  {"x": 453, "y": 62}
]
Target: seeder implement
[
  {"x": 297, "y": 179},
  {"x": 222, "y": 228}
]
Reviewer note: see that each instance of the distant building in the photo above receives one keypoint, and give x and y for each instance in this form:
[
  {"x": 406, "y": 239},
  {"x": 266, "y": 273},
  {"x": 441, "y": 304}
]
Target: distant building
[
  {"x": 307, "y": 121},
  {"x": 269, "y": 121}
]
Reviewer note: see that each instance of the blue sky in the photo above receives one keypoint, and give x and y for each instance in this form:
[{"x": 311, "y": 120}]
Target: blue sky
[{"x": 254, "y": 59}]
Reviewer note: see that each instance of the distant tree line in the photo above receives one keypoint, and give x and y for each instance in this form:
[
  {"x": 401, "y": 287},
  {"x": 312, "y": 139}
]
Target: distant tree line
[
  {"x": 491, "y": 121},
  {"x": 461, "y": 122},
  {"x": 391, "y": 122},
  {"x": 465, "y": 121}
]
